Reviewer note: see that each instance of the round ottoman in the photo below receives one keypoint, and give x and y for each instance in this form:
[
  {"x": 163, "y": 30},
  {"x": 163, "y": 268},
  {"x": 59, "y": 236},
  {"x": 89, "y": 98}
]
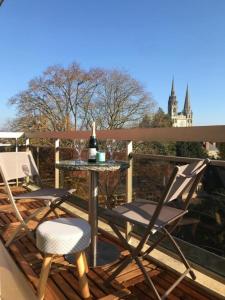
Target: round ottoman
[{"x": 64, "y": 236}]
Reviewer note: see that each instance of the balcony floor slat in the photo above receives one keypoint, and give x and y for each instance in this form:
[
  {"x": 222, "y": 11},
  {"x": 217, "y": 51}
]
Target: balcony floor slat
[{"x": 63, "y": 283}]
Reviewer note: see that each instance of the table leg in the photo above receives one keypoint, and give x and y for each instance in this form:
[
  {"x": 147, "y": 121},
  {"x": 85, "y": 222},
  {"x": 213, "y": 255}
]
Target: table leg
[{"x": 93, "y": 216}]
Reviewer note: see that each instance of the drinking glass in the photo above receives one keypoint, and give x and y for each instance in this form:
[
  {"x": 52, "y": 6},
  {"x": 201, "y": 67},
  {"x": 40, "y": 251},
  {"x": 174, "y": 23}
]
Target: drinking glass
[
  {"x": 78, "y": 147},
  {"x": 110, "y": 144}
]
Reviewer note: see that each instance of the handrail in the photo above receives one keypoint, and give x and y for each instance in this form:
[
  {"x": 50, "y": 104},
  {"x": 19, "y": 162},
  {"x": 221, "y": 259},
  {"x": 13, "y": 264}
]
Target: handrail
[
  {"x": 219, "y": 163},
  {"x": 214, "y": 133}
]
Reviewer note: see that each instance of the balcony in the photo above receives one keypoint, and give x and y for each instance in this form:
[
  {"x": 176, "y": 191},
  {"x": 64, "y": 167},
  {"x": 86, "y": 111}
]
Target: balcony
[{"x": 163, "y": 265}]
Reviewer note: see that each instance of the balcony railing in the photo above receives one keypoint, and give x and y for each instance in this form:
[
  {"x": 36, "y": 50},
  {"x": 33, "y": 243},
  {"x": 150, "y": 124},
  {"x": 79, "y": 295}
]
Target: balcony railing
[{"x": 207, "y": 215}]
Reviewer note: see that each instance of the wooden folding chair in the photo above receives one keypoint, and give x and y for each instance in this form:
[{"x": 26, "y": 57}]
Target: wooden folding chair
[
  {"x": 21, "y": 165},
  {"x": 158, "y": 217}
]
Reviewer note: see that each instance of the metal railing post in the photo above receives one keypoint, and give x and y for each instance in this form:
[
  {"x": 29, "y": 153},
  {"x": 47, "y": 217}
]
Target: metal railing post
[
  {"x": 38, "y": 157},
  {"x": 17, "y": 180},
  {"x": 16, "y": 145},
  {"x": 129, "y": 189},
  {"x": 57, "y": 160},
  {"x": 27, "y": 144}
]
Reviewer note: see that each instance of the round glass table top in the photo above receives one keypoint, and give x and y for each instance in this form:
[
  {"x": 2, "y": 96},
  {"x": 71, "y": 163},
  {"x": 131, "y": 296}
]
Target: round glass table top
[{"x": 90, "y": 166}]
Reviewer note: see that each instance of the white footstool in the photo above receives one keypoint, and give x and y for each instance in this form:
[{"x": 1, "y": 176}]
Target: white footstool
[{"x": 64, "y": 236}]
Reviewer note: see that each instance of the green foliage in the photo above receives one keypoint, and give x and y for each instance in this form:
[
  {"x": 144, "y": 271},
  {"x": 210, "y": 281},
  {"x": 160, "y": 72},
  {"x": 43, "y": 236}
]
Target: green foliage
[
  {"x": 159, "y": 119},
  {"x": 155, "y": 148},
  {"x": 145, "y": 122},
  {"x": 190, "y": 149}
]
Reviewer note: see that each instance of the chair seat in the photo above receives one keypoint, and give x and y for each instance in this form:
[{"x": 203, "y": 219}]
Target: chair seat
[
  {"x": 51, "y": 194},
  {"x": 63, "y": 236},
  {"x": 141, "y": 212}
]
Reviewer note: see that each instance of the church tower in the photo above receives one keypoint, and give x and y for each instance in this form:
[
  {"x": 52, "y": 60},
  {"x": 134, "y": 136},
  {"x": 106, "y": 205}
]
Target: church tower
[
  {"x": 179, "y": 119},
  {"x": 187, "y": 108},
  {"x": 172, "y": 104}
]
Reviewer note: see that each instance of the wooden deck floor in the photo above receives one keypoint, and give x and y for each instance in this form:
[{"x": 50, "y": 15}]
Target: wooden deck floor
[{"x": 63, "y": 284}]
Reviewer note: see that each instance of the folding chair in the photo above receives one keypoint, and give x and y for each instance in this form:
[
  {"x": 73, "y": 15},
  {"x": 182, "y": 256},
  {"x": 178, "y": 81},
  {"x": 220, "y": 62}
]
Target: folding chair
[
  {"x": 160, "y": 217},
  {"x": 21, "y": 165}
]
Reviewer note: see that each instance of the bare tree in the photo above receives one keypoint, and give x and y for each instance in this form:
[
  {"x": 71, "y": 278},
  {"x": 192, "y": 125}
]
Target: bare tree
[
  {"x": 65, "y": 98},
  {"x": 121, "y": 101},
  {"x": 58, "y": 97}
]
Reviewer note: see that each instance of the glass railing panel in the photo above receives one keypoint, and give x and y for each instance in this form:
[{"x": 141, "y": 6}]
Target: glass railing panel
[{"x": 202, "y": 233}]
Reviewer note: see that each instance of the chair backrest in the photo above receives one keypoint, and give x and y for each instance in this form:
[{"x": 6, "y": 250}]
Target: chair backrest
[
  {"x": 17, "y": 165},
  {"x": 183, "y": 179}
]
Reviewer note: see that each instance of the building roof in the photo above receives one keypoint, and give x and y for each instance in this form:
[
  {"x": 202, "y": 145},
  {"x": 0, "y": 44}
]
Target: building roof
[{"x": 10, "y": 135}]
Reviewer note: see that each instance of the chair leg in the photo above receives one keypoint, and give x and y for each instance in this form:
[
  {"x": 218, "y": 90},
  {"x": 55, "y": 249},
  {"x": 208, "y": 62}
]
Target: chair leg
[
  {"x": 181, "y": 255},
  {"x": 16, "y": 232},
  {"x": 147, "y": 278},
  {"x": 51, "y": 208},
  {"x": 23, "y": 225},
  {"x": 83, "y": 282},
  {"x": 44, "y": 276}
]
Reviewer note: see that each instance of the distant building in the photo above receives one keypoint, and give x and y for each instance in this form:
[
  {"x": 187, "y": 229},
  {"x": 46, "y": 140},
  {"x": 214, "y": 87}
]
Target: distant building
[{"x": 179, "y": 119}]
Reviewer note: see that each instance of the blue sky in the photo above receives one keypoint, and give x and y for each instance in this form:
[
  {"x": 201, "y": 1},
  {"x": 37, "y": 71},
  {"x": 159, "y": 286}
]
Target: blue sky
[{"x": 151, "y": 40}]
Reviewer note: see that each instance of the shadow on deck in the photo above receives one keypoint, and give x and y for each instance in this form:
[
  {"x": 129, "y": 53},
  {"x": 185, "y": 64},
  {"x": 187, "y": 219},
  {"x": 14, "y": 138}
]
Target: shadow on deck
[{"x": 62, "y": 282}]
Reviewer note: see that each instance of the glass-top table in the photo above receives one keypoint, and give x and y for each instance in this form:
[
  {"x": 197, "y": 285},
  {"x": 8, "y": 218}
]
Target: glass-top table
[
  {"x": 94, "y": 169},
  {"x": 90, "y": 166}
]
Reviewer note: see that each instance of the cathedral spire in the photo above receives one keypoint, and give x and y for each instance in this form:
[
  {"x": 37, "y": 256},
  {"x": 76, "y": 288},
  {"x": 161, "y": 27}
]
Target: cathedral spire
[
  {"x": 172, "y": 103},
  {"x": 173, "y": 89},
  {"x": 187, "y": 105}
]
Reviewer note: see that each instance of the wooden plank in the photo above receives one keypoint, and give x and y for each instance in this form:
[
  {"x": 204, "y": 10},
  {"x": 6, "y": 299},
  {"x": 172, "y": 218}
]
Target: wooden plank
[
  {"x": 133, "y": 267},
  {"x": 114, "y": 285},
  {"x": 188, "y": 288},
  {"x": 53, "y": 292},
  {"x": 139, "y": 278},
  {"x": 5, "y": 219},
  {"x": 99, "y": 286},
  {"x": 3, "y": 200},
  {"x": 148, "y": 291},
  {"x": 73, "y": 281},
  {"x": 122, "y": 294},
  {"x": 12, "y": 217},
  {"x": 31, "y": 248},
  {"x": 139, "y": 293},
  {"x": 20, "y": 246},
  {"x": 65, "y": 287},
  {"x": 24, "y": 265},
  {"x": 8, "y": 230},
  {"x": 126, "y": 276},
  {"x": 8, "y": 208}
]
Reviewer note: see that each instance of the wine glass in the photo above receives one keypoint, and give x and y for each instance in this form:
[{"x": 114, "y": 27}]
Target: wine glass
[
  {"x": 78, "y": 147},
  {"x": 110, "y": 144}
]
